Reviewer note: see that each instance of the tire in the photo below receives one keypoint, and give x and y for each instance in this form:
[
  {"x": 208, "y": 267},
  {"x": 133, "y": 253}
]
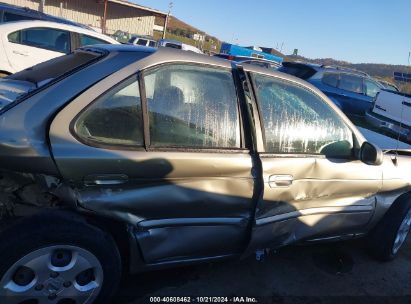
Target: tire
[
  {"x": 386, "y": 239},
  {"x": 58, "y": 256}
]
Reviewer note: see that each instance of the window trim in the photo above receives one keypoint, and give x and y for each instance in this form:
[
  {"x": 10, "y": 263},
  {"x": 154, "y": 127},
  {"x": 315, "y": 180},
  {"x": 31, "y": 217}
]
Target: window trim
[
  {"x": 101, "y": 145},
  {"x": 193, "y": 148},
  {"x": 38, "y": 47},
  {"x": 266, "y": 153}
]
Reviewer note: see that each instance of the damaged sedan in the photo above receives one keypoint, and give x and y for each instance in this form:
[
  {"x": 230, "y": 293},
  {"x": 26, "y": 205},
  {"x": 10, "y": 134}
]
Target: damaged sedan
[{"x": 122, "y": 159}]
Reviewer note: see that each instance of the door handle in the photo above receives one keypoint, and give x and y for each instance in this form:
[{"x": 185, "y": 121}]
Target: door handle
[
  {"x": 20, "y": 53},
  {"x": 280, "y": 181},
  {"x": 105, "y": 179}
]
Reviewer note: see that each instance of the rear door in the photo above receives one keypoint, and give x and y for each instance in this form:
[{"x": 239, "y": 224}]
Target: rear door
[
  {"x": 31, "y": 46},
  {"x": 163, "y": 151},
  {"x": 313, "y": 185}
]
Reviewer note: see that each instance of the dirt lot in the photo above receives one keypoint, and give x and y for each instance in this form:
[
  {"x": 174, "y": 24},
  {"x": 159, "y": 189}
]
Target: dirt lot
[{"x": 327, "y": 273}]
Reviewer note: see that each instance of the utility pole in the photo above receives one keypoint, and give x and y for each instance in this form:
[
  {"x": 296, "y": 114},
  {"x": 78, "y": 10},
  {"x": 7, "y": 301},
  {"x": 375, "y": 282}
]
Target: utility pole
[
  {"x": 104, "y": 21},
  {"x": 41, "y": 6},
  {"x": 170, "y": 6}
]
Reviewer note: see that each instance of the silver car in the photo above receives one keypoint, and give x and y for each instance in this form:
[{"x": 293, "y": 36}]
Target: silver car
[{"x": 121, "y": 159}]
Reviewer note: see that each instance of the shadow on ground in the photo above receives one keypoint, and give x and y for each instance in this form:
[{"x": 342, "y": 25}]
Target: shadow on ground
[{"x": 327, "y": 273}]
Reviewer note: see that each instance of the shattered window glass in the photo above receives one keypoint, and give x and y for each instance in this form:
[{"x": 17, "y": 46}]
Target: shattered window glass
[
  {"x": 192, "y": 106},
  {"x": 298, "y": 121}
]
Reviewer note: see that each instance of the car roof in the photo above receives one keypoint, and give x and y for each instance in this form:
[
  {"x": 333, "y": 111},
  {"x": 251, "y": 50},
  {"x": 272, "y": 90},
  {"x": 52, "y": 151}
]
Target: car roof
[
  {"x": 170, "y": 41},
  {"x": 324, "y": 67},
  {"x": 11, "y": 7},
  {"x": 19, "y": 25},
  {"x": 143, "y": 37},
  {"x": 163, "y": 54},
  {"x": 120, "y": 48}
]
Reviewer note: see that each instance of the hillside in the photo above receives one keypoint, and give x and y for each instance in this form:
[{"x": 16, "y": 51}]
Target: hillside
[
  {"x": 181, "y": 31},
  {"x": 176, "y": 24}
]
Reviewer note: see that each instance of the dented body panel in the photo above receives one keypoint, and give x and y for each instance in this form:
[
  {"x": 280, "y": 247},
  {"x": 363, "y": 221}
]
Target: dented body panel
[{"x": 182, "y": 204}]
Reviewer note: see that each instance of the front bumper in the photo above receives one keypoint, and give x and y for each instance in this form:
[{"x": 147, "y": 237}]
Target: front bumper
[{"x": 388, "y": 125}]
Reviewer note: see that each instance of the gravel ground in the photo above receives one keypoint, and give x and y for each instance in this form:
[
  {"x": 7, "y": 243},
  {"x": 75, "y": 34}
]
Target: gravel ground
[{"x": 326, "y": 273}]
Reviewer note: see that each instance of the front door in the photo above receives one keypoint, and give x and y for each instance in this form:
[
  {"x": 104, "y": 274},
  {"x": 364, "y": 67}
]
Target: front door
[{"x": 313, "y": 185}]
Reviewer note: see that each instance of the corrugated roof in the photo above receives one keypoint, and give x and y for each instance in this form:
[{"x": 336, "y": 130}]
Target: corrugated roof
[{"x": 128, "y": 3}]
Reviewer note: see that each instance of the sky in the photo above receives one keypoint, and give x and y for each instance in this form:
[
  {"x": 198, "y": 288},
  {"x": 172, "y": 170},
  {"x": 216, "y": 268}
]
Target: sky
[{"x": 357, "y": 31}]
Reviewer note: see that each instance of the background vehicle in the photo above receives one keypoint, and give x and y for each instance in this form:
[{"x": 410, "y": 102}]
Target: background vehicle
[
  {"x": 352, "y": 91},
  {"x": 12, "y": 13},
  {"x": 392, "y": 113},
  {"x": 174, "y": 44},
  {"x": 143, "y": 41},
  {"x": 26, "y": 43},
  {"x": 239, "y": 51},
  {"x": 274, "y": 65},
  {"x": 121, "y": 36},
  {"x": 223, "y": 161}
]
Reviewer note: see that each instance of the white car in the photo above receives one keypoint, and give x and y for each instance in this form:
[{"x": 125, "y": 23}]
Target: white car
[
  {"x": 391, "y": 112},
  {"x": 27, "y": 43},
  {"x": 178, "y": 45}
]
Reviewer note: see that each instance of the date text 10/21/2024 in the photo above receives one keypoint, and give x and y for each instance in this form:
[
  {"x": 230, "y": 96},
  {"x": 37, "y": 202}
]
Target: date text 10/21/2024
[{"x": 234, "y": 299}]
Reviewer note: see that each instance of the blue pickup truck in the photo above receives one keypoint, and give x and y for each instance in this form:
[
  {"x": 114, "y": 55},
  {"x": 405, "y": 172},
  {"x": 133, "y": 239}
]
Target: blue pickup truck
[{"x": 239, "y": 51}]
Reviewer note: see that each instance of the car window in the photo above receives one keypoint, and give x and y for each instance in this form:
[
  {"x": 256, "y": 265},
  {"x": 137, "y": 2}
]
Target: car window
[
  {"x": 14, "y": 37},
  {"x": 142, "y": 42},
  {"x": 45, "y": 38},
  {"x": 152, "y": 43},
  {"x": 114, "y": 118},
  {"x": 9, "y": 17},
  {"x": 88, "y": 40},
  {"x": 173, "y": 46},
  {"x": 298, "y": 121},
  {"x": 351, "y": 83},
  {"x": 192, "y": 106},
  {"x": 371, "y": 88},
  {"x": 330, "y": 79}
]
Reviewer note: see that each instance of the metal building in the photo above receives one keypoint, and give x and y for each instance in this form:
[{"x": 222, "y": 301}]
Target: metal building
[{"x": 120, "y": 14}]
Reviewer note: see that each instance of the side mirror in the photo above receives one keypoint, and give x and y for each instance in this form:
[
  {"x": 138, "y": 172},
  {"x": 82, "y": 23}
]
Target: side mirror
[{"x": 371, "y": 154}]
